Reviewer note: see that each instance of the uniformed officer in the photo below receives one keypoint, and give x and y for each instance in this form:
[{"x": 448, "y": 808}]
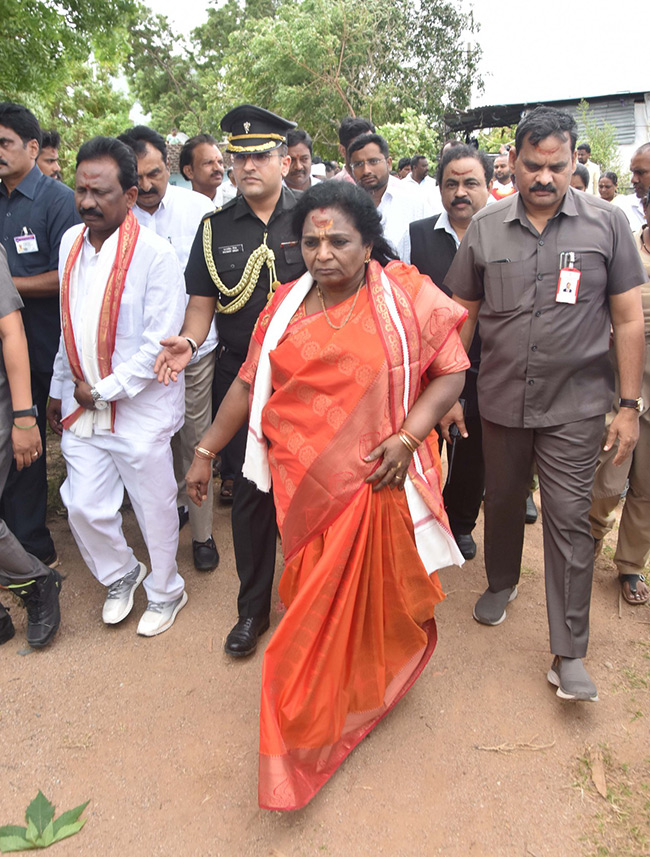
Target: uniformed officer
[{"x": 240, "y": 253}]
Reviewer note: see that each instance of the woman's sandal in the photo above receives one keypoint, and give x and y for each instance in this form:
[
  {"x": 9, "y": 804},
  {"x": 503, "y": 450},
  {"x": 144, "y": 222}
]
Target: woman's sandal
[{"x": 632, "y": 580}]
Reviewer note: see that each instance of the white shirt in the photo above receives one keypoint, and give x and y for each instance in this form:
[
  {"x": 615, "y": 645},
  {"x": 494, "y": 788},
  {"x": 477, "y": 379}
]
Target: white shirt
[
  {"x": 177, "y": 220},
  {"x": 429, "y": 189},
  {"x": 443, "y": 222},
  {"x": 631, "y": 206},
  {"x": 152, "y": 308},
  {"x": 400, "y": 206}
]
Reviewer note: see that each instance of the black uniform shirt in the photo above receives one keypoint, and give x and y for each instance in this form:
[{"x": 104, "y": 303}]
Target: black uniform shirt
[
  {"x": 236, "y": 233},
  {"x": 44, "y": 207}
]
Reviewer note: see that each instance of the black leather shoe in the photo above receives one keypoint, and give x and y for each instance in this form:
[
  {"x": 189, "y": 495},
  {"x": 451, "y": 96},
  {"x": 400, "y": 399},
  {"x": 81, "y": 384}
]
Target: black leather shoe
[
  {"x": 41, "y": 598},
  {"x": 531, "y": 509},
  {"x": 206, "y": 555},
  {"x": 7, "y": 629},
  {"x": 183, "y": 516},
  {"x": 466, "y": 545},
  {"x": 242, "y": 640}
]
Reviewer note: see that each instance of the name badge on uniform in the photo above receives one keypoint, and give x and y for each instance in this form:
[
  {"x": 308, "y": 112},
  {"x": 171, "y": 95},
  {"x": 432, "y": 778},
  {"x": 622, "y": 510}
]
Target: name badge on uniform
[
  {"x": 568, "y": 282},
  {"x": 26, "y": 243},
  {"x": 230, "y": 248}
]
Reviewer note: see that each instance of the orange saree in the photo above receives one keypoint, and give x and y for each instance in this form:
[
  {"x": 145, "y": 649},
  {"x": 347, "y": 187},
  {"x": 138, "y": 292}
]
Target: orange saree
[{"x": 359, "y": 624}]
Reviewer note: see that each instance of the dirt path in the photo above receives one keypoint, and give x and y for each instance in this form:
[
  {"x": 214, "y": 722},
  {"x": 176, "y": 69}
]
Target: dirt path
[{"x": 480, "y": 758}]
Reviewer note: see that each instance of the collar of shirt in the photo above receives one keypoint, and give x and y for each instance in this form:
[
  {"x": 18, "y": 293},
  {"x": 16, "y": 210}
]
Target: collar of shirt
[
  {"x": 443, "y": 222},
  {"x": 286, "y": 202},
  {"x": 518, "y": 210},
  {"x": 28, "y": 185}
]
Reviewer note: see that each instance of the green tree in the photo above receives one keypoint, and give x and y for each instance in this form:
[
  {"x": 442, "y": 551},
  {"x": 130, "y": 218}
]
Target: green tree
[
  {"x": 413, "y": 135},
  {"x": 491, "y": 139},
  {"x": 601, "y": 137}
]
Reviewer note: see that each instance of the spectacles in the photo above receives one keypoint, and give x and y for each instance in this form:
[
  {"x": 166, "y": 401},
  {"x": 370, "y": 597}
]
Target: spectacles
[
  {"x": 372, "y": 162},
  {"x": 258, "y": 158}
]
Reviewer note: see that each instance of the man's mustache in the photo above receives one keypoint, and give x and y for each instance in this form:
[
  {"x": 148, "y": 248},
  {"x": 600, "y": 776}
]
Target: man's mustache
[
  {"x": 462, "y": 201},
  {"x": 546, "y": 188},
  {"x": 90, "y": 212}
]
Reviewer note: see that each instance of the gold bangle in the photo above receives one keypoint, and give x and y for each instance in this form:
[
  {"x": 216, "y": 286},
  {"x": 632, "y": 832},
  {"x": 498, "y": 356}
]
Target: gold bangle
[
  {"x": 206, "y": 454},
  {"x": 407, "y": 443},
  {"x": 412, "y": 437},
  {"x": 34, "y": 425}
]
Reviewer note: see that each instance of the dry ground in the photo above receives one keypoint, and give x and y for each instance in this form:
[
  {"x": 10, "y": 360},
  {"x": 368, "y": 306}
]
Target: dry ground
[{"x": 479, "y": 760}]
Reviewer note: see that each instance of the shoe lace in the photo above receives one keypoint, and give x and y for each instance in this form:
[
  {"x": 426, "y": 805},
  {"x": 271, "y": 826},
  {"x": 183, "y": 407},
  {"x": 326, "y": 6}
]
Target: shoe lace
[
  {"x": 122, "y": 586},
  {"x": 156, "y": 606}
]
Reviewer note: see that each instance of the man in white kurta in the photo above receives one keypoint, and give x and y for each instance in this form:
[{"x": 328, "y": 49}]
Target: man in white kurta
[
  {"x": 175, "y": 214},
  {"x": 116, "y": 422}
]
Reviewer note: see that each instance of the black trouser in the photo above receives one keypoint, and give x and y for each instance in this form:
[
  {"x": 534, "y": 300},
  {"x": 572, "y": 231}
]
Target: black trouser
[
  {"x": 24, "y": 500},
  {"x": 254, "y": 527},
  {"x": 463, "y": 493}
]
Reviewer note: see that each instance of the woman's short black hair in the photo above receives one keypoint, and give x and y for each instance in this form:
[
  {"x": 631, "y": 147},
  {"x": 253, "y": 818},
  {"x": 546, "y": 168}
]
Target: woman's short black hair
[
  {"x": 611, "y": 176},
  {"x": 109, "y": 147},
  {"x": 354, "y": 203}
]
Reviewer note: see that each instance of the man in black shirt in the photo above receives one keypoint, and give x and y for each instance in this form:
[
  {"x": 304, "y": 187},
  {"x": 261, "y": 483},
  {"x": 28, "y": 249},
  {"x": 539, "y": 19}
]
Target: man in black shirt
[
  {"x": 255, "y": 227},
  {"x": 35, "y": 211}
]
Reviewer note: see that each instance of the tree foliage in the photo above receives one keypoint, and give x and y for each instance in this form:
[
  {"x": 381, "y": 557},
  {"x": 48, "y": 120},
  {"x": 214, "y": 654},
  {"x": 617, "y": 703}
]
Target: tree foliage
[
  {"x": 412, "y": 135},
  {"x": 601, "y": 137}
]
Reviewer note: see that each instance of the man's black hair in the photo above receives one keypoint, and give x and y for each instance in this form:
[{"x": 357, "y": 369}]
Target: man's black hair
[
  {"x": 187, "y": 152},
  {"x": 366, "y": 140},
  {"x": 545, "y": 122},
  {"x": 585, "y": 146},
  {"x": 415, "y": 160},
  {"x": 137, "y": 138},
  {"x": 21, "y": 121},
  {"x": 465, "y": 151},
  {"x": 110, "y": 147},
  {"x": 403, "y": 162},
  {"x": 297, "y": 135},
  {"x": 353, "y": 126},
  {"x": 51, "y": 140}
]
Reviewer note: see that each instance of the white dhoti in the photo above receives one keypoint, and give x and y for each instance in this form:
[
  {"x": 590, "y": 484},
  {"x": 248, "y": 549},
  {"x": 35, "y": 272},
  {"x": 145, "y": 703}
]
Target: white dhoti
[{"x": 99, "y": 469}]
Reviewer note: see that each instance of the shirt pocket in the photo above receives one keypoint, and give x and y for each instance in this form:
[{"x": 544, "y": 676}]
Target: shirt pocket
[
  {"x": 231, "y": 263},
  {"x": 504, "y": 285},
  {"x": 593, "y": 275},
  {"x": 292, "y": 253}
]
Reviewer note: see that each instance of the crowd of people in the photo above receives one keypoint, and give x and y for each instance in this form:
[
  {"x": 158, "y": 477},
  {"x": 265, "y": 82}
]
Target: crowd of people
[{"x": 322, "y": 333}]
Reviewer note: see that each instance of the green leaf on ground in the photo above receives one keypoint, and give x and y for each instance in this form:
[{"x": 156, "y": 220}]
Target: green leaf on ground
[
  {"x": 40, "y": 812},
  {"x": 69, "y": 817},
  {"x": 14, "y": 843},
  {"x": 42, "y": 829}
]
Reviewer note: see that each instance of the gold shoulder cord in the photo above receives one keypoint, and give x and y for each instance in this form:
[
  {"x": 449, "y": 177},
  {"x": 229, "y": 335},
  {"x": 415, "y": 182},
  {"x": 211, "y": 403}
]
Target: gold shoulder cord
[{"x": 245, "y": 287}]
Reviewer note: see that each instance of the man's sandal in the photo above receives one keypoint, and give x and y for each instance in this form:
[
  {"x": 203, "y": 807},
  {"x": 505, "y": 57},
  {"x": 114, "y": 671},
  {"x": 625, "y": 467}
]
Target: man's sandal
[{"x": 634, "y": 597}]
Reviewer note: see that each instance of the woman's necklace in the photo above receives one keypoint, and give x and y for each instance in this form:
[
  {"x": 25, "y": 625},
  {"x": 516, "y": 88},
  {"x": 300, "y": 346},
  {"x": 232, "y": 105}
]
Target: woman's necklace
[{"x": 348, "y": 316}]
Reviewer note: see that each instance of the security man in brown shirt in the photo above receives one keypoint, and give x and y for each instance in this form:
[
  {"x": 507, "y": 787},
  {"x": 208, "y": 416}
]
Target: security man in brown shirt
[{"x": 547, "y": 271}]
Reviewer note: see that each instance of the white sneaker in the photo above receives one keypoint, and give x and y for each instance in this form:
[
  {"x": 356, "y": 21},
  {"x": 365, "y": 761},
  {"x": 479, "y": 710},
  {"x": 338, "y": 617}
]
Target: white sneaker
[
  {"x": 119, "y": 601},
  {"x": 159, "y": 616}
]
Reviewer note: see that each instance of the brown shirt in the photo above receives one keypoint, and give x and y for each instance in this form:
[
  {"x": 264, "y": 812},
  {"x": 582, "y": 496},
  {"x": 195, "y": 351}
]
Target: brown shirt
[{"x": 545, "y": 363}]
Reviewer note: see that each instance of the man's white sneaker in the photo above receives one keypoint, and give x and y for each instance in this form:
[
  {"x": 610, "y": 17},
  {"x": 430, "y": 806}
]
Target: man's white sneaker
[
  {"x": 119, "y": 600},
  {"x": 159, "y": 616}
]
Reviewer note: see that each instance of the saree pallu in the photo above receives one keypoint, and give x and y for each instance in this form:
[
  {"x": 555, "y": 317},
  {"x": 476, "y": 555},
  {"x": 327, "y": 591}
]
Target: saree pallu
[{"x": 359, "y": 625}]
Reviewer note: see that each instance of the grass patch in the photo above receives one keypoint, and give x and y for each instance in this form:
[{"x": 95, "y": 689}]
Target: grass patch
[{"x": 621, "y": 825}]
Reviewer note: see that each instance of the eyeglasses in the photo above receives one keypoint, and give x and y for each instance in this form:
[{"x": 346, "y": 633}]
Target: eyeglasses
[
  {"x": 372, "y": 162},
  {"x": 258, "y": 158}
]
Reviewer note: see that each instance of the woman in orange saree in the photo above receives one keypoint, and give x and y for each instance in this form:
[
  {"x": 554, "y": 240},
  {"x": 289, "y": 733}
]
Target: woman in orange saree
[{"x": 337, "y": 367}]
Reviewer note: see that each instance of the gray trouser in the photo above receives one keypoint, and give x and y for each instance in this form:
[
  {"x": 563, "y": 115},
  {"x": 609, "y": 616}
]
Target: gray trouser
[
  {"x": 566, "y": 459},
  {"x": 16, "y": 565}
]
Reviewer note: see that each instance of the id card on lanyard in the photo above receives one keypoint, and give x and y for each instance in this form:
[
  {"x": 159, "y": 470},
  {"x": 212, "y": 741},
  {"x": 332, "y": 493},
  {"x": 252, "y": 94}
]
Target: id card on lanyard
[
  {"x": 26, "y": 242},
  {"x": 568, "y": 281}
]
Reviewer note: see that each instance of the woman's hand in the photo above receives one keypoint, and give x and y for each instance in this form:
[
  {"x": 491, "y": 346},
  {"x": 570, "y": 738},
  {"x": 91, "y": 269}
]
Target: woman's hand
[
  {"x": 197, "y": 478},
  {"x": 26, "y": 444},
  {"x": 393, "y": 468}
]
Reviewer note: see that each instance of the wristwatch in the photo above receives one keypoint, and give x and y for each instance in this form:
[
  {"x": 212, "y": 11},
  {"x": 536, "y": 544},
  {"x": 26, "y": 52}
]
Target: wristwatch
[
  {"x": 635, "y": 404},
  {"x": 26, "y": 412},
  {"x": 100, "y": 403}
]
